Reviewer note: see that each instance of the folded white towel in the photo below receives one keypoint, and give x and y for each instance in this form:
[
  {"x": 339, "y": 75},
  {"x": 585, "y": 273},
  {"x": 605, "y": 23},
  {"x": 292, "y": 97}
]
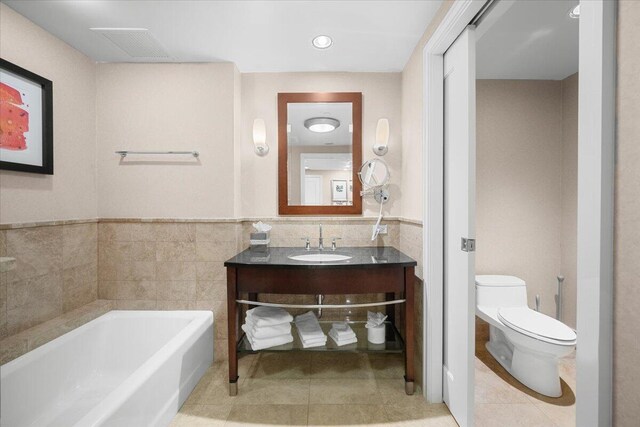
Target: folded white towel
[
  {"x": 262, "y": 343},
  {"x": 342, "y": 331},
  {"x": 316, "y": 342},
  {"x": 344, "y": 341},
  {"x": 309, "y": 327},
  {"x": 266, "y": 331},
  {"x": 268, "y": 316}
]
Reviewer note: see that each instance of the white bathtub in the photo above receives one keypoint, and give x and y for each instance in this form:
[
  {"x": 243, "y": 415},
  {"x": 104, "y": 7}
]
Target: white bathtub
[{"x": 125, "y": 368}]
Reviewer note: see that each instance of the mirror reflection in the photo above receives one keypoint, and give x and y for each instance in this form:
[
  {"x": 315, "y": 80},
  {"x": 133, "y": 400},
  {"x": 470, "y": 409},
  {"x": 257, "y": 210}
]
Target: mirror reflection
[{"x": 320, "y": 154}]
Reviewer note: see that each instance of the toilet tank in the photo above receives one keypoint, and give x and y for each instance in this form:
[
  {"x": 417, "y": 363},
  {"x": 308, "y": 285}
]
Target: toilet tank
[{"x": 500, "y": 291}]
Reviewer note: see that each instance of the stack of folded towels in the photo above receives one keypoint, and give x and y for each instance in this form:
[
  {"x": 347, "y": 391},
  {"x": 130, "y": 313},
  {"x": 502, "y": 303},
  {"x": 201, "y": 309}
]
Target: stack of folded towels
[
  {"x": 342, "y": 334},
  {"x": 309, "y": 330},
  {"x": 267, "y": 327}
]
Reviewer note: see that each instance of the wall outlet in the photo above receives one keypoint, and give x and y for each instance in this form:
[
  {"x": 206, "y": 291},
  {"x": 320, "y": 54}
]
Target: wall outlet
[{"x": 382, "y": 228}]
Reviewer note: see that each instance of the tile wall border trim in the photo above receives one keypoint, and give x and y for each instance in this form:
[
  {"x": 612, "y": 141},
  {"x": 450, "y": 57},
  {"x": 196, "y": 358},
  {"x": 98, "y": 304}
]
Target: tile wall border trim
[{"x": 283, "y": 219}]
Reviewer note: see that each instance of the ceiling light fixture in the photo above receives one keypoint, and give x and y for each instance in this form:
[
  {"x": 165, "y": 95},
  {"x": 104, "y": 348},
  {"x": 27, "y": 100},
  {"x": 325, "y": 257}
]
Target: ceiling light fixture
[
  {"x": 574, "y": 12},
  {"x": 322, "y": 42},
  {"x": 321, "y": 124}
]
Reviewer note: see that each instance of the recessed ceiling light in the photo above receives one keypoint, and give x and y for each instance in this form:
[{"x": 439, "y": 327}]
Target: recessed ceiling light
[
  {"x": 322, "y": 42},
  {"x": 574, "y": 12},
  {"x": 321, "y": 124}
]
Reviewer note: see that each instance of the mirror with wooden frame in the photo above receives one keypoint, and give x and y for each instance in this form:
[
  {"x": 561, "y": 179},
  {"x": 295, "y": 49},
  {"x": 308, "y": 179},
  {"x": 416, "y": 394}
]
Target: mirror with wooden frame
[{"x": 319, "y": 153}]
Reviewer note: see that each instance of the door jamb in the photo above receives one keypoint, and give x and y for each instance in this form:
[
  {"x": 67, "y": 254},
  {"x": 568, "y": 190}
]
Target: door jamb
[{"x": 596, "y": 168}]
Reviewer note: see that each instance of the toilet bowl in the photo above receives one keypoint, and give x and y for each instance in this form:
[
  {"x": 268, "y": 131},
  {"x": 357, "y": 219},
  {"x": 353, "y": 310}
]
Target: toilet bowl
[{"x": 525, "y": 342}]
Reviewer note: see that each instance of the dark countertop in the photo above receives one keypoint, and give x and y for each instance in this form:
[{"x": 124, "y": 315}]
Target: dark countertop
[{"x": 361, "y": 257}]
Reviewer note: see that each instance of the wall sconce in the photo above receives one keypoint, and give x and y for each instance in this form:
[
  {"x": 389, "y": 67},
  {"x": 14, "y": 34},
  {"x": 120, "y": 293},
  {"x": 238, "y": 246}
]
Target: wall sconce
[
  {"x": 381, "y": 145},
  {"x": 260, "y": 137}
]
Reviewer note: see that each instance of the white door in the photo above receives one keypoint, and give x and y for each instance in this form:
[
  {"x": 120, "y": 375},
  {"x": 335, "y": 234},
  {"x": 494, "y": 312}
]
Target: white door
[
  {"x": 459, "y": 218},
  {"x": 312, "y": 190}
]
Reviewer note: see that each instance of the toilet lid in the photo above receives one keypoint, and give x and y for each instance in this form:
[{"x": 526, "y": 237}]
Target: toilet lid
[{"x": 533, "y": 323}]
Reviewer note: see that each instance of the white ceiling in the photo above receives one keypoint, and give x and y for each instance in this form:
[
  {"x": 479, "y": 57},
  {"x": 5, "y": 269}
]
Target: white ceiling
[
  {"x": 258, "y": 36},
  {"x": 297, "y": 113},
  {"x": 528, "y": 39}
]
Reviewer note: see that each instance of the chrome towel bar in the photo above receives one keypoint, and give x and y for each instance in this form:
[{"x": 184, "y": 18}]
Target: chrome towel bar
[
  {"x": 125, "y": 153},
  {"x": 367, "y": 304}
]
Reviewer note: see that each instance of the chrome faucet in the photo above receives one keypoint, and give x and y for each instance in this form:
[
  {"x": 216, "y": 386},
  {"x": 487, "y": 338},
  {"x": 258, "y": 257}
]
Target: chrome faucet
[{"x": 320, "y": 241}]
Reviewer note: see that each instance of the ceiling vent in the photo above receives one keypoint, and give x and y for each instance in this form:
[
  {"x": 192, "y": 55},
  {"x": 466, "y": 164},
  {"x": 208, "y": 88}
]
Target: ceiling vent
[{"x": 136, "y": 42}]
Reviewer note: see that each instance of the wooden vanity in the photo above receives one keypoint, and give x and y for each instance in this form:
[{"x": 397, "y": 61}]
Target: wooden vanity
[{"x": 370, "y": 270}]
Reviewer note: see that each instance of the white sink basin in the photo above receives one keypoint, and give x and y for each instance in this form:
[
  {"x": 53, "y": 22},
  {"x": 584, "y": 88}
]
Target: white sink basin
[{"x": 320, "y": 257}]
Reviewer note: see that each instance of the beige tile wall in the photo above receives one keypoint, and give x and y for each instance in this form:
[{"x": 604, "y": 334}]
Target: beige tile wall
[
  {"x": 167, "y": 266},
  {"x": 179, "y": 265},
  {"x": 56, "y": 272},
  {"x": 163, "y": 265}
]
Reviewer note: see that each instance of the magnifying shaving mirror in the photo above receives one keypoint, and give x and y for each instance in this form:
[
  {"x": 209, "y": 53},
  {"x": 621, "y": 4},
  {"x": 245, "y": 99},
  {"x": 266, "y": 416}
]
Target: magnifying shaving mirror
[{"x": 374, "y": 174}]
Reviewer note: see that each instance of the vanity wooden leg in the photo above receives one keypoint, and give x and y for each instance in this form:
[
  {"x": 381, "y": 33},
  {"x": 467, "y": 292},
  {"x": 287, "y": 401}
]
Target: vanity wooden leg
[
  {"x": 232, "y": 324},
  {"x": 409, "y": 277}
]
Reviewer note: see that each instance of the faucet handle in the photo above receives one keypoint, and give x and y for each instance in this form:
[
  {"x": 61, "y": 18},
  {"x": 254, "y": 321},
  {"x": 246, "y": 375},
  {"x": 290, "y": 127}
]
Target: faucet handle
[
  {"x": 307, "y": 243},
  {"x": 333, "y": 242}
]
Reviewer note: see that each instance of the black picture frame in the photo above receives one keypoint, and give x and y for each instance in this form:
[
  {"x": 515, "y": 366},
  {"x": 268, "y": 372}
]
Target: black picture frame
[{"x": 47, "y": 121}]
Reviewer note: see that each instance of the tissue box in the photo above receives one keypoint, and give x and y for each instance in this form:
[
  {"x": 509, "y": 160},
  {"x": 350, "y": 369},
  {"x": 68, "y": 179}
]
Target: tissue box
[
  {"x": 259, "y": 236},
  {"x": 259, "y": 240}
]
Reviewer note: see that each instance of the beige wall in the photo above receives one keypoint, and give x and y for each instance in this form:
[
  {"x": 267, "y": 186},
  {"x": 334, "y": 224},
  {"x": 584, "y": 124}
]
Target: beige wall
[
  {"x": 381, "y": 98},
  {"x": 71, "y": 192},
  {"x": 412, "y": 124},
  {"x": 167, "y": 107},
  {"x": 626, "y": 380},
  {"x": 519, "y": 183}
]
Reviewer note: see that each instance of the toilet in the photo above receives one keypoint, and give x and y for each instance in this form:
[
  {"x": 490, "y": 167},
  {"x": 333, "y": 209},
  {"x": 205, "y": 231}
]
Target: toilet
[{"x": 525, "y": 342}]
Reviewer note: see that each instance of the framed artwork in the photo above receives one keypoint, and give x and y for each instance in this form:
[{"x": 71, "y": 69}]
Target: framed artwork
[
  {"x": 339, "y": 190},
  {"x": 26, "y": 120}
]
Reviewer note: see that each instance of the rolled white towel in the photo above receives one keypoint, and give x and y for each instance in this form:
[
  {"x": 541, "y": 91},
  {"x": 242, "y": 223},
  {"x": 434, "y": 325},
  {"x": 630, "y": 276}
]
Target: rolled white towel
[
  {"x": 266, "y": 331},
  {"x": 309, "y": 327},
  {"x": 262, "y": 343},
  {"x": 268, "y": 316}
]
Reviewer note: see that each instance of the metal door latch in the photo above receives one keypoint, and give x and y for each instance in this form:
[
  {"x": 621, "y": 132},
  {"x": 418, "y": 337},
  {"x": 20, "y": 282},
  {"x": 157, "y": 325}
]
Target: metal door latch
[{"x": 468, "y": 245}]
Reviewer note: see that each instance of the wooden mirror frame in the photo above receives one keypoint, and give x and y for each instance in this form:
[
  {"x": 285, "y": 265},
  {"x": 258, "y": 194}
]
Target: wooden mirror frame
[{"x": 355, "y": 98}]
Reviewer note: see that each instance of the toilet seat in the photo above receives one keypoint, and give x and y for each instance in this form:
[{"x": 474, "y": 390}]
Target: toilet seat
[{"x": 537, "y": 325}]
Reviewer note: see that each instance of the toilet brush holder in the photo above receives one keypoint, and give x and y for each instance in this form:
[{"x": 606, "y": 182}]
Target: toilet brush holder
[{"x": 376, "y": 334}]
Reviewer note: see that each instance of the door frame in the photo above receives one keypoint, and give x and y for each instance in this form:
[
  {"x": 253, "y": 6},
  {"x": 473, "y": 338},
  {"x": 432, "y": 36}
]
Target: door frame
[
  {"x": 453, "y": 24},
  {"x": 596, "y": 163}
]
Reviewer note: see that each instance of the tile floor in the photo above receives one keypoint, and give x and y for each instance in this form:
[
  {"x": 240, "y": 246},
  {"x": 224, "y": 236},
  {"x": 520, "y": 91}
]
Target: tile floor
[{"x": 299, "y": 389}]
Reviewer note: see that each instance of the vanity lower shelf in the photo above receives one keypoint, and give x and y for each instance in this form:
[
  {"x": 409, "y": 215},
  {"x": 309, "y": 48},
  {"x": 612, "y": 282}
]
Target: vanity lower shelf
[{"x": 393, "y": 342}]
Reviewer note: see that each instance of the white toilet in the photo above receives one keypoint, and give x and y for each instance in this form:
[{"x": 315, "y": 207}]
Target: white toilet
[{"x": 527, "y": 343}]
